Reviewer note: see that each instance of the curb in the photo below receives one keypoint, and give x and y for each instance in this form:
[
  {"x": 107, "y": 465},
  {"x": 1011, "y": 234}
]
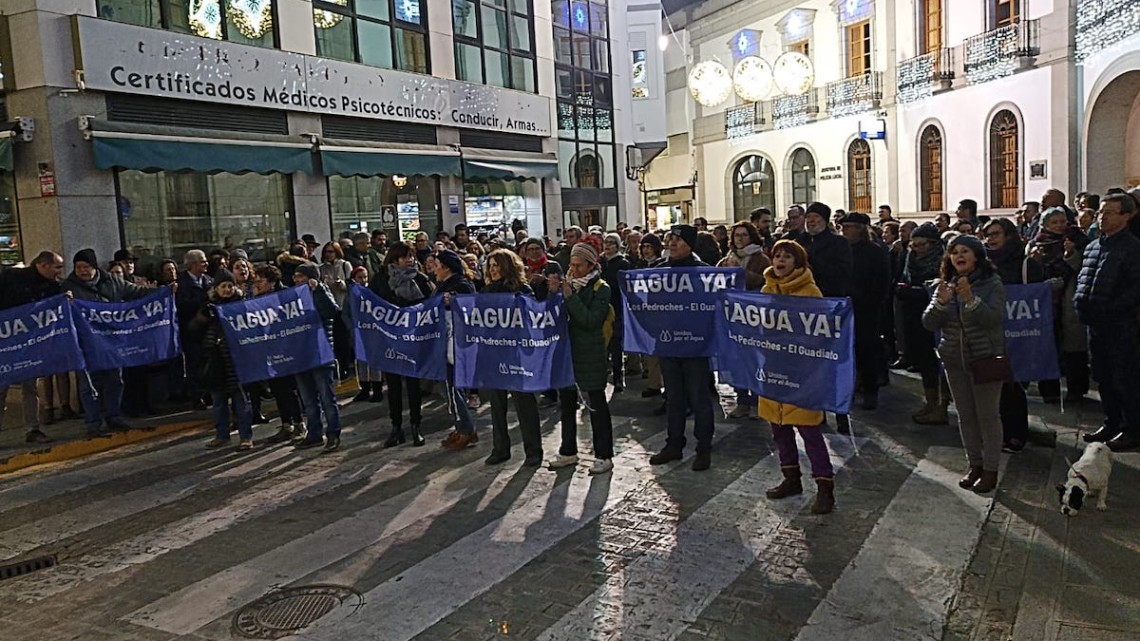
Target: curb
[{"x": 70, "y": 450}]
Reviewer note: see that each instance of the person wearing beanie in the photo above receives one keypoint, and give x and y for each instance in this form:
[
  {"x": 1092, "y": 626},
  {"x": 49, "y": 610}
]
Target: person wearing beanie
[
  {"x": 451, "y": 280},
  {"x": 790, "y": 275},
  {"x": 686, "y": 379},
  {"x": 649, "y": 250},
  {"x": 101, "y": 391},
  {"x": 920, "y": 266},
  {"x": 828, "y": 254},
  {"x": 309, "y": 271},
  {"x": 316, "y": 385},
  {"x": 969, "y": 310}
]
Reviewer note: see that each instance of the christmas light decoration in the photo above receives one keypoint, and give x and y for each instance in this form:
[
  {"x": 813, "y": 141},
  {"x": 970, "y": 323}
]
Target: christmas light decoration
[
  {"x": 790, "y": 111},
  {"x": 206, "y": 18},
  {"x": 793, "y": 73},
  {"x": 710, "y": 83},
  {"x": 854, "y": 95},
  {"x": 1104, "y": 23},
  {"x": 916, "y": 78},
  {"x": 752, "y": 79},
  {"x": 253, "y": 18},
  {"x": 328, "y": 19}
]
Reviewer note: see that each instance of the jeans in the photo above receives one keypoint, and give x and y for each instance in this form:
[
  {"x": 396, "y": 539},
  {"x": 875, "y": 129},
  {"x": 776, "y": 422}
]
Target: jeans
[
  {"x": 242, "y": 414},
  {"x": 1114, "y": 355},
  {"x": 814, "y": 445},
  {"x": 601, "y": 423},
  {"x": 526, "y": 406},
  {"x": 107, "y": 396},
  {"x": 687, "y": 388},
  {"x": 31, "y": 396},
  {"x": 464, "y": 423},
  {"x": 316, "y": 388},
  {"x": 396, "y": 385}
]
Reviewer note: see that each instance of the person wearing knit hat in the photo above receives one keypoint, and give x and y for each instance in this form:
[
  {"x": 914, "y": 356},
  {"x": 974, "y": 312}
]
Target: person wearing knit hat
[
  {"x": 309, "y": 270},
  {"x": 86, "y": 256},
  {"x": 586, "y": 252},
  {"x": 687, "y": 233},
  {"x": 926, "y": 230},
  {"x": 451, "y": 260},
  {"x": 648, "y": 250},
  {"x": 969, "y": 311},
  {"x": 223, "y": 275}
]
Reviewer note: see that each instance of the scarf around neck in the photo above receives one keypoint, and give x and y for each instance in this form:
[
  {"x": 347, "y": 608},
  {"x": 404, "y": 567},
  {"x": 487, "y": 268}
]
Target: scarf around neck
[{"x": 578, "y": 283}]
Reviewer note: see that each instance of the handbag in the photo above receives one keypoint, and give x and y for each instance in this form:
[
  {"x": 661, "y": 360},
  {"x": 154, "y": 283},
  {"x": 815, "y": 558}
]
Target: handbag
[{"x": 990, "y": 369}]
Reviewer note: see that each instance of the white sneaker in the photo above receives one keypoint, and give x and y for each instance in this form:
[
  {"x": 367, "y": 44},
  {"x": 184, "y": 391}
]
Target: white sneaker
[
  {"x": 563, "y": 461},
  {"x": 601, "y": 466}
]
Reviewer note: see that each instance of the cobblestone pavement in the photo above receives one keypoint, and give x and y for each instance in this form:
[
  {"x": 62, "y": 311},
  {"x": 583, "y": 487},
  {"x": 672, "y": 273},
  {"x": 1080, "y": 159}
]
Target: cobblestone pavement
[{"x": 166, "y": 540}]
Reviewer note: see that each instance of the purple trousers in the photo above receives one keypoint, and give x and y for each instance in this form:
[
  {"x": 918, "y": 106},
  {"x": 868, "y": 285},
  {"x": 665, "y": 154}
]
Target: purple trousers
[{"x": 814, "y": 445}]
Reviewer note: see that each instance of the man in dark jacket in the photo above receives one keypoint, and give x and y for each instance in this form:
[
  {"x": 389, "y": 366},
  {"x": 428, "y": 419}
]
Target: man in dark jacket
[
  {"x": 828, "y": 254},
  {"x": 613, "y": 263},
  {"x": 361, "y": 254},
  {"x": 192, "y": 295},
  {"x": 316, "y": 385},
  {"x": 451, "y": 279},
  {"x": 868, "y": 294},
  {"x": 686, "y": 379},
  {"x": 100, "y": 390},
  {"x": 22, "y": 286},
  {"x": 1107, "y": 300}
]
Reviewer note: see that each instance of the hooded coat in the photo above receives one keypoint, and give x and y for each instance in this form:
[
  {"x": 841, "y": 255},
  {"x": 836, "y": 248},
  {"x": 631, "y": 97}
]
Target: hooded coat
[{"x": 799, "y": 282}]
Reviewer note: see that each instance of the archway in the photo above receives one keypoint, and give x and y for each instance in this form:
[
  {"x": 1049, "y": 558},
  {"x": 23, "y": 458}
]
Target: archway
[{"x": 1112, "y": 143}]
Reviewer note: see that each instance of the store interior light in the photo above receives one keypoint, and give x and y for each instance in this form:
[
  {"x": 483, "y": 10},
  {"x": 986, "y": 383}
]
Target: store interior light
[{"x": 399, "y": 181}]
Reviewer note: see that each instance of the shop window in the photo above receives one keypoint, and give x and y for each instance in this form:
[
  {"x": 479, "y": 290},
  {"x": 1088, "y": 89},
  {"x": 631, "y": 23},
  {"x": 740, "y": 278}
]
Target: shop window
[
  {"x": 1005, "y": 161},
  {"x": 165, "y": 214},
  {"x": 930, "y": 25},
  {"x": 250, "y": 22},
  {"x": 494, "y": 43},
  {"x": 859, "y": 48},
  {"x": 930, "y": 169},
  {"x": 494, "y": 205},
  {"x": 803, "y": 177},
  {"x": 359, "y": 204},
  {"x": 753, "y": 186},
  {"x": 382, "y": 33},
  {"x": 859, "y": 176}
]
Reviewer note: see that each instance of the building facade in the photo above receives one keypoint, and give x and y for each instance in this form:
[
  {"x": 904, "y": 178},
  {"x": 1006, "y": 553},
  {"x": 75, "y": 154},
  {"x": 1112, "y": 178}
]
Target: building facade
[
  {"x": 912, "y": 103},
  {"x": 161, "y": 125}
]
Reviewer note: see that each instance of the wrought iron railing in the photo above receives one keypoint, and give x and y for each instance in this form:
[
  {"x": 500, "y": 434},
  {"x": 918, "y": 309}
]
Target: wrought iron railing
[
  {"x": 744, "y": 120},
  {"x": 1000, "y": 52},
  {"x": 855, "y": 95},
  {"x": 920, "y": 75},
  {"x": 1104, "y": 23},
  {"x": 793, "y": 111}
]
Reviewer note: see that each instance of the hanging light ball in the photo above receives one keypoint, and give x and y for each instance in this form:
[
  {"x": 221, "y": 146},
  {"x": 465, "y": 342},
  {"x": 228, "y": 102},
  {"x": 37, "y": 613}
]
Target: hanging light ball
[
  {"x": 752, "y": 78},
  {"x": 793, "y": 73},
  {"x": 710, "y": 83},
  {"x": 253, "y": 18}
]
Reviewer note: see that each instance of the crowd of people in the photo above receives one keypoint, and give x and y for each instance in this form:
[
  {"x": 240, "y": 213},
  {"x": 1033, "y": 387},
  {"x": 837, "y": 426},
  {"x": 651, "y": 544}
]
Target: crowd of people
[{"x": 909, "y": 283}]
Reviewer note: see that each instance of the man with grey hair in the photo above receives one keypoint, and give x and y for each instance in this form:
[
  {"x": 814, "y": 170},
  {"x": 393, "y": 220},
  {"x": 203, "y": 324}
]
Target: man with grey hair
[{"x": 191, "y": 296}]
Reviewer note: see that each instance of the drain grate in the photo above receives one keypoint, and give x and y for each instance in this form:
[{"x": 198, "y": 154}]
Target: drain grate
[
  {"x": 13, "y": 570},
  {"x": 284, "y": 612}
]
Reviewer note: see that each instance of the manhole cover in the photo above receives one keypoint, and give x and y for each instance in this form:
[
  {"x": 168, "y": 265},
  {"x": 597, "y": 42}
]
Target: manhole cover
[{"x": 284, "y": 612}]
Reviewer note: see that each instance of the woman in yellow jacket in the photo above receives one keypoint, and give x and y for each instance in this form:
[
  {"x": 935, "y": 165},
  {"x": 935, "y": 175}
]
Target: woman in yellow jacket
[{"x": 789, "y": 275}]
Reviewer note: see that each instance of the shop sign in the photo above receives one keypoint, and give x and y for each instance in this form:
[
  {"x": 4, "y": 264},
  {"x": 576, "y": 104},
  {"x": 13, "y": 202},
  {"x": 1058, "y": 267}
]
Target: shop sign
[
  {"x": 47, "y": 180},
  {"x": 128, "y": 59},
  {"x": 831, "y": 173}
]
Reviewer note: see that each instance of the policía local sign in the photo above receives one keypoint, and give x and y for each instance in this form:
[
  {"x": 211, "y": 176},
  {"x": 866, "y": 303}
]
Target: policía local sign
[{"x": 128, "y": 59}]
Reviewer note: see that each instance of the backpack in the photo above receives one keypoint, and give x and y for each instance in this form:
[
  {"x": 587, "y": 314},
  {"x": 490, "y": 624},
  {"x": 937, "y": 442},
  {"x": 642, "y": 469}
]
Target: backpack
[{"x": 608, "y": 324}]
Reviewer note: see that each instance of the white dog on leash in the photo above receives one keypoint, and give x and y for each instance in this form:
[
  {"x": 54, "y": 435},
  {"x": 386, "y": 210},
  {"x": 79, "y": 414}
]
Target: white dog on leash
[{"x": 1089, "y": 475}]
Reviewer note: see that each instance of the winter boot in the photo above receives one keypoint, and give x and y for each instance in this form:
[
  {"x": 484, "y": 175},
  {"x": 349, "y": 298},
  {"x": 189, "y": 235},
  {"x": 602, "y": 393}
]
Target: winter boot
[
  {"x": 396, "y": 437},
  {"x": 790, "y": 486},
  {"x": 824, "y": 496},
  {"x": 417, "y": 438},
  {"x": 365, "y": 392},
  {"x": 930, "y": 394}
]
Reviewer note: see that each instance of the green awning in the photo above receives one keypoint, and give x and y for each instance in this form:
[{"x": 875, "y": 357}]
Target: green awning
[
  {"x": 364, "y": 159},
  {"x": 150, "y": 148},
  {"x": 486, "y": 164},
  {"x": 6, "y": 162}
]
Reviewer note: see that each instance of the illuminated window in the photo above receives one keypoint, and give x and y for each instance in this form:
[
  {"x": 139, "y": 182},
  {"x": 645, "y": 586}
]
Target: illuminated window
[
  {"x": 859, "y": 176},
  {"x": 250, "y": 22},
  {"x": 930, "y": 169},
  {"x": 803, "y": 176},
  {"x": 1005, "y": 162},
  {"x": 382, "y": 33},
  {"x": 754, "y": 185}
]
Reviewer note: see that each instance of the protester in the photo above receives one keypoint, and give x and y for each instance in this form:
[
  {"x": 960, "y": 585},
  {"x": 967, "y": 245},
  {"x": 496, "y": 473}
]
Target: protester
[
  {"x": 923, "y": 260},
  {"x": 1107, "y": 299},
  {"x": 505, "y": 275},
  {"x": 789, "y": 275},
  {"x": 316, "y": 384},
  {"x": 686, "y": 379},
  {"x": 451, "y": 279},
  {"x": 1007, "y": 253},
  {"x": 571, "y": 236},
  {"x": 267, "y": 280},
  {"x": 588, "y": 306},
  {"x": 405, "y": 286},
  {"x": 969, "y": 310},
  {"x": 614, "y": 262},
  {"x": 707, "y": 248},
  {"x": 868, "y": 293},
  {"x": 747, "y": 251}
]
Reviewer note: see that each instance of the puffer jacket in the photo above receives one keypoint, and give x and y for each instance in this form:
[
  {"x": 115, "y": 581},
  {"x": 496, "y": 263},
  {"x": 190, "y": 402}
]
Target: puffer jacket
[
  {"x": 973, "y": 330},
  {"x": 1108, "y": 286},
  {"x": 587, "y": 309},
  {"x": 799, "y": 282},
  {"x": 217, "y": 364}
]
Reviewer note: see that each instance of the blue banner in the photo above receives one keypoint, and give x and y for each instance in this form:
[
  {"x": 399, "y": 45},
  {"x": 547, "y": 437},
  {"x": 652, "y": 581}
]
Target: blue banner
[
  {"x": 791, "y": 349},
  {"x": 127, "y": 334},
  {"x": 511, "y": 342},
  {"x": 275, "y": 335},
  {"x": 670, "y": 311},
  {"x": 38, "y": 340},
  {"x": 1029, "y": 338},
  {"x": 409, "y": 341}
]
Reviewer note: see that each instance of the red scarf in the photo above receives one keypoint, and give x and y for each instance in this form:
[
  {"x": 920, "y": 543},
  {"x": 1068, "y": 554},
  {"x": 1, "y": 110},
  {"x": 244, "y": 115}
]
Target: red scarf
[{"x": 535, "y": 267}]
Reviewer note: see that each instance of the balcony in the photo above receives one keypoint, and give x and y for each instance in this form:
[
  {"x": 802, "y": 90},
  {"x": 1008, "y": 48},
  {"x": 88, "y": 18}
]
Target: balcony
[
  {"x": 1001, "y": 52},
  {"x": 793, "y": 111},
  {"x": 740, "y": 122},
  {"x": 919, "y": 77},
  {"x": 1103, "y": 24},
  {"x": 855, "y": 95}
]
